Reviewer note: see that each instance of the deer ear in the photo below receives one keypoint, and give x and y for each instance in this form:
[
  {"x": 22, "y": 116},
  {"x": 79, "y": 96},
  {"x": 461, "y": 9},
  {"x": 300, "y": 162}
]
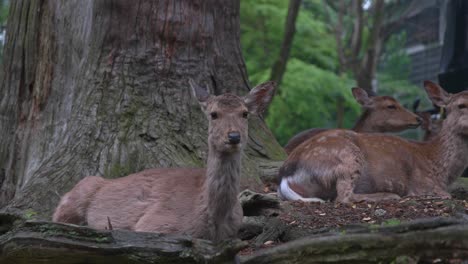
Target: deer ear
[
  {"x": 437, "y": 95},
  {"x": 260, "y": 97},
  {"x": 201, "y": 94},
  {"x": 362, "y": 97}
]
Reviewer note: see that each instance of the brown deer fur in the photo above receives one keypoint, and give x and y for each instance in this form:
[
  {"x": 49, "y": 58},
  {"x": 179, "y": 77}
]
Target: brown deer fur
[
  {"x": 199, "y": 202},
  {"x": 381, "y": 114},
  {"x": 349, "y": 166}
]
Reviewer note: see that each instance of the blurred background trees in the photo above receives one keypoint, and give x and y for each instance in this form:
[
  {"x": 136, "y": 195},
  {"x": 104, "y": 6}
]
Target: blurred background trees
[
  {"x": 337, "y": 45},
  {"x": 4, "y": 6}
]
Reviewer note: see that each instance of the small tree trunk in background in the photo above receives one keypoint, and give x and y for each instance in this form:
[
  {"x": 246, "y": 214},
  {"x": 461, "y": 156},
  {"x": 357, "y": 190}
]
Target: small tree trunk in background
[
  {"x": 339, "y": 111},
  {"x": 279, "y": 67},
  {"x": 367, "y": 69},
  {"x": 100, "y": 88},
  {"x": 350, "y": 54}
]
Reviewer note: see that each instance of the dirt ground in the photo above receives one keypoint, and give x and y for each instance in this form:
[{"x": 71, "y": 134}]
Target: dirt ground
[{"x": 324, "y": 216}]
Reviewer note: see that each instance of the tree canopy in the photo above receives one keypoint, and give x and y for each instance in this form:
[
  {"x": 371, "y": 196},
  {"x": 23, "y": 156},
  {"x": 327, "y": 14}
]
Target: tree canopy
[{"x": 313, "y": 92}]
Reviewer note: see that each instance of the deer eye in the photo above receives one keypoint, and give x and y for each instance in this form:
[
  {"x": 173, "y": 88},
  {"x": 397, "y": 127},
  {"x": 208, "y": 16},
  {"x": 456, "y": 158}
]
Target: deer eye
[
  {"x": 214, "y": 115},
  {"x": 393, "y": 107},
  {"x": 245, "y": 114},
  {"x": 461, "y": 106}
]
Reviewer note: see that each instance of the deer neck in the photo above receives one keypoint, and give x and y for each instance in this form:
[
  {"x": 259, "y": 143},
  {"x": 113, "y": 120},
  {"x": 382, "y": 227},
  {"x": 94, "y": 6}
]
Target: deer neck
[
  {"x": 449, "y": 154},
  {"x": 219, "y": 196},
  {"x": 222, "y": 182},
  {"x": 363, "y": 124}
]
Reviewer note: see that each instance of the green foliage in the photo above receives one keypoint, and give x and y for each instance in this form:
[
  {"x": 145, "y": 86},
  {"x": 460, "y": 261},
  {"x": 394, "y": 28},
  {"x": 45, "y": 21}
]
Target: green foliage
[
  {"x": 396, "y": 63},
  {"x": 308, "y": 99},
  {"x": 30, "y": 214},
  {"x": 4, "y": 8},
  {"x": 262, "y": 25},
  {"x": 310, "y": 86}
]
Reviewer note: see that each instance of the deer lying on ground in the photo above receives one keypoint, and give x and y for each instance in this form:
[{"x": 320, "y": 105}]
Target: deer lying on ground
[
  {"x": 431, "y": 124},
  {"x": 199, "y": 202},
  {"x": 431, "y": 120},
  {"x": 350, "y": 167},
  {"x": 381, "y": 114}
]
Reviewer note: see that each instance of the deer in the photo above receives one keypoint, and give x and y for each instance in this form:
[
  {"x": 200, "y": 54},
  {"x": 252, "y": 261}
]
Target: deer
[
  {"x": 431, "y": 124},
  {"x": 201, "y": 202},
  {"x": 380, "y": 114},
  {"x": 348, "y": 167},
  {"x": 431, "y": 120}
]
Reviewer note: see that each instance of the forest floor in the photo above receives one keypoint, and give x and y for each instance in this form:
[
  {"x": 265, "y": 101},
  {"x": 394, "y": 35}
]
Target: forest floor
[{"x": 318, "y": 218}]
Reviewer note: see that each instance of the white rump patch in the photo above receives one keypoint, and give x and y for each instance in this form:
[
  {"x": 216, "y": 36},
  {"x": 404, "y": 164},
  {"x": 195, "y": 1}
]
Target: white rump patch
[{"x": 286, "y": 193}]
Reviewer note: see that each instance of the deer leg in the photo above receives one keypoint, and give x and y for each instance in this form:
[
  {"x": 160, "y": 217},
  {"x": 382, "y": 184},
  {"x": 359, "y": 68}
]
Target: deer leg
[
  {"x": 345, "y": 191},
  {"x": 436, "y": 191},
  {"x": 74, "y": 205}
]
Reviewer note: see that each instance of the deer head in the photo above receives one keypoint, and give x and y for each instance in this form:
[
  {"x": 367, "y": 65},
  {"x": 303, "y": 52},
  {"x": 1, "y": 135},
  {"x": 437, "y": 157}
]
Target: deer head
[
  {"x": 228, "y": 114},
  {"x": 456, "y": 107},
  {"x": 385, "y": 113},
  {"x": 431, "y": 120}
]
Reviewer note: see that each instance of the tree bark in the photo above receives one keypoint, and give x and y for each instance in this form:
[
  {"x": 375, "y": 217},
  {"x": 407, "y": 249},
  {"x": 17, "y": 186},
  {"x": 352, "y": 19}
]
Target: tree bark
[
  {"x": 100, "y": 88},
  {"x": 366, "y": 71},
  {"x": 45, "y": 242},
  {"x": 425, "y": 241},
  {"x": 279, "y": 67}
]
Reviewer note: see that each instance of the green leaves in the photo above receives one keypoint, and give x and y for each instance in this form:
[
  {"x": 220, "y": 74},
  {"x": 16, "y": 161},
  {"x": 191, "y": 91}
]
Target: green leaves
[
  {"x": 308, "y": 99},
  {"x": 307, "y": 94},
  {"x": 311, "y": 91}
]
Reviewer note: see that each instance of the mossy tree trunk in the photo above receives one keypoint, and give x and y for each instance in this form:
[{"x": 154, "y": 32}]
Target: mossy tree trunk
[{"x": 99, "y": 87}]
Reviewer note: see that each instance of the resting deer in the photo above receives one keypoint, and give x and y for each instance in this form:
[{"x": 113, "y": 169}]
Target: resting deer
[
  {"x": 431, "y": 124},
  {"x": 349, "y": 166},
  {"x": 431, "y": 120},
  {"x": 381, "y": 114},
  {"x": 195, "y": 201}
]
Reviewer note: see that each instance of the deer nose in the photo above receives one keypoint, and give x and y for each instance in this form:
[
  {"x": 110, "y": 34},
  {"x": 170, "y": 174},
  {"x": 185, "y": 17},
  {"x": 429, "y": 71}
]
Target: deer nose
[{"x": 234, "y": 138}]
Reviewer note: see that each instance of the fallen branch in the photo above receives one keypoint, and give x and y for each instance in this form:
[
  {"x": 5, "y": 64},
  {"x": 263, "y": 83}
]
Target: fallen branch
[
  {"x": 417, "y": 240},
  {"x": 45, "y": 242}
]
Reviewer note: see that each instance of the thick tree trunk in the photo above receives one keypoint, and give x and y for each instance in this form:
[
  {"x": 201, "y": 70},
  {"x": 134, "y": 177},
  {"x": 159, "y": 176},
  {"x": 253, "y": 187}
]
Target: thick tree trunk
[
  {"x": 99, "y": 87},
  {"x": 279, "y": 67}
]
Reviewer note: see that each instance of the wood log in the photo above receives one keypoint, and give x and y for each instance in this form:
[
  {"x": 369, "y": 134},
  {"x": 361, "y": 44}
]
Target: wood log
[
  {"x": 423, "y": 240},
  {"x": 45, "y": 242}
]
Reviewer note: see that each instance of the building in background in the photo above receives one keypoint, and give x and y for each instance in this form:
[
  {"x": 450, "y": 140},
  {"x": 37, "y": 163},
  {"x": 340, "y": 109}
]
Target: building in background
[
  {"x": 437, "y": 44},
  {"x": 425, "y": 27}
]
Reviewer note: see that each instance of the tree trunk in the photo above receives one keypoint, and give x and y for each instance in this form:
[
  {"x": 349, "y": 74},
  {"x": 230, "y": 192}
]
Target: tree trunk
[
  {"x": 366, "y": 71},
  {"x": 349, "y": 55},
  {"x": 100, "y": 88},
  {"x": 279, "y": 67}
]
